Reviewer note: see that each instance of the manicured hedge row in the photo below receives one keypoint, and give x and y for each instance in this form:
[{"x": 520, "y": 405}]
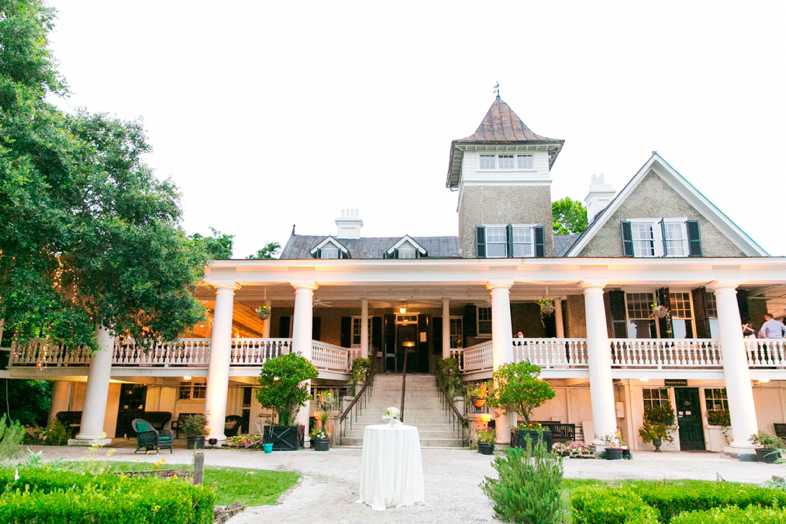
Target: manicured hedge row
[
  {"x": 602, "y": 505},
  {"x": 50, "y": 496},
  {"x": 733, "y": 515}
]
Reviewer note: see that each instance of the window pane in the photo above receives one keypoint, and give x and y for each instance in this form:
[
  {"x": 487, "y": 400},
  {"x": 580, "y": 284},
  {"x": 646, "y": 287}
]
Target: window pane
[
  {"x": 643, "y": 239},
  {"x": 712, "y": 306},
  {"x": 484, "y": 320},
  {"x": 714, "y": 328},
  {"x": 522, "y": 234},
  {"x": 506, "y": 161},
  {"x": 496, "y": 234},
  {"x": 525, "y": 162},
  {"x": 487, "y": 161},
  {"x": 329, "y": 252},
  {"x": 673, "y": 240}
]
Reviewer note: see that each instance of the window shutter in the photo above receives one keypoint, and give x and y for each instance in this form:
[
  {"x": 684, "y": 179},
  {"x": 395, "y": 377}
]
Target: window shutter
[
  {"x": 509, "y": 230},
  {"x": 627, "y": 239},
  {"x": 662, "y": 295},
  {"x": 619, "y": 321},
  {"x": 394, "y": 254},
  {"x": 470, "y": 322},
  {"x": 283, "y": 327},
  {"x": 694, "y": 238},
  {"x": 539, "y": 236},
  {"x": 436, "y": 334},
  {"x": 318, "y": 253},
  {"x": 480, "y": 242},
  {"x": 316, "y": 328},
  {"x": 663, "y": 236},
  {"x": 390, "y": 343},
  {"x": 421, "y": 355},
  {"x": 346, "y": 332},
  {"x": 742, "y": 304},
  {"x": 376, "y": 335},
  {"x": 700, "y": 314}
]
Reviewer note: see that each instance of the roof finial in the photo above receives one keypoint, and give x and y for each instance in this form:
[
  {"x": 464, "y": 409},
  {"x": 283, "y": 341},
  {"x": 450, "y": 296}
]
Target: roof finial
[{"x": 496, "y": 89}]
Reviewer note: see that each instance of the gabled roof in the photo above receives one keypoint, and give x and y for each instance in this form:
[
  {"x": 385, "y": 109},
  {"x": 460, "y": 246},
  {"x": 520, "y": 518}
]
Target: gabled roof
[
  {"x": 329, "y": 240},
  {"x": 300, "y": 246},
  {"x": 500, "y": 126},
  {"x": 407, "y": 238},
  {"x": 687, "y": 191}
]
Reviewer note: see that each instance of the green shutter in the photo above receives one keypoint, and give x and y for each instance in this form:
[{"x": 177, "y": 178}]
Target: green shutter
[
  {"x": 700, "y": 313},
  {"x": 318, "y": 253},
  {"x": 619, "y": 321},
  {"x": 694, "y": 238},
  {"x": 539, "y": 240},
  {"x": 627, "y": 239},
  {"x": 436, "y": 334},
  {"x": 346, "y": 332},
  {"x": 470, "y": 322},
  {"x": 664, "y": 324},
  {"x": 316, "y": 328},
  {"x": 509, "y": 231},
  {"x": 663, "y": 236},
  {"x": 283, "y": 327},
  {"x": 480, "y": 242}
]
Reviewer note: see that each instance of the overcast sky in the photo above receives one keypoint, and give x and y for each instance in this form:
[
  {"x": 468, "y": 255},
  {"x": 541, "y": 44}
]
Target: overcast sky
[{"x": 269, "y": 114}]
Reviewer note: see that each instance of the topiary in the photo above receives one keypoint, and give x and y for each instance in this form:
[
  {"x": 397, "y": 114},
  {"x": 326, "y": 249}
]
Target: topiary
[
  {"x": 283, "y": 389},
  {"x": 518, "y": 388}
]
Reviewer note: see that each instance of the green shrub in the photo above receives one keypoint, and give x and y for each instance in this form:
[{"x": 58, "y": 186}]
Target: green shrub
[
  {"x": 675, "y": 498},
  {"x": 194, "y": 425},
  {"x": 733, "y": 515},
  {"x": 602, "y": 505},
  {"x": 11, "y": 436},
  {"x": 450, "y": 376},
  {"x": 52, "y": 496},
  {"x": 284, "y": 388},
  {"x": 528, "y": 486}
]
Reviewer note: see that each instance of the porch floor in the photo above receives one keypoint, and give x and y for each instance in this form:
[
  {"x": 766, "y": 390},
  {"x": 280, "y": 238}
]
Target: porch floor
[{"x": 330, "y": 480}]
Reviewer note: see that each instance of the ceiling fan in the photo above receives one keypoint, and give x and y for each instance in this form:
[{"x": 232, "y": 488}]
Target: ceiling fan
[{"x": 318, "y": 302}]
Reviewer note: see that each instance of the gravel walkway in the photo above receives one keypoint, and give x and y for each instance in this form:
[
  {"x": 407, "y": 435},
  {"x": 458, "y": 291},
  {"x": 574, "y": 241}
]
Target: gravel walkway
[{"x": 329, "y": 481}]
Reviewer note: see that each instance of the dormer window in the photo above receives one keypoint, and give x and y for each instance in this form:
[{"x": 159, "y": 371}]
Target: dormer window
[
  {"x": 329, "y": 252},
  {"x": 406, "y": 251},
  {"x": 525, "y": 162},
  {"x": 406, "y": 247},
  {"x": 665, "y": 237},
  {"x": 487, "y": 161},
  {"x": 506, "y": 161},
  {"x": 509, "y": 241},
  {"x": 330, "y": 248}
]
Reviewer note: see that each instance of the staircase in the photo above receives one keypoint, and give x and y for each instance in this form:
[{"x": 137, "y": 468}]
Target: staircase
[{"x": 422, "y": 408}]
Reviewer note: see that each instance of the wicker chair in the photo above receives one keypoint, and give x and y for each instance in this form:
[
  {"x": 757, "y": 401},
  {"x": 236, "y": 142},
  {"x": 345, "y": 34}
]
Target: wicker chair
[
  {"x": 148, "y": 438},
  {"x": 232, "y": 425}
]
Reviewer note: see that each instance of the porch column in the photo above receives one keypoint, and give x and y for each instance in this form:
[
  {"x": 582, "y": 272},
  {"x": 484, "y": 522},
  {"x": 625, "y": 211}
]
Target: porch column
[
  {"x": 92, "y": 426},
  {"x": 301, "y": 335},
  {"x": 266, "y": 322},
  {"x": 558, "y": 318},
  {"x": 502, "y": 347},
  {"x": 220, "y": 356},
  {"x": 61, "y": 397},
  {"x": 735, "y": 367},
  {"x": 604, "y": 416},
  {"x": 364, "y": 328},
  {"x": 445, "y": 328}
]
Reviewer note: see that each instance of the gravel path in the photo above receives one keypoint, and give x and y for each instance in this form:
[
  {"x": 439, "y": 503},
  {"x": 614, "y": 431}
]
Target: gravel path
[{"x": 329, "y": 481}]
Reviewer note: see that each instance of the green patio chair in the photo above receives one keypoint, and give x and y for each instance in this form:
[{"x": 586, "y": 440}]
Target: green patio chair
[{"x": 148, "y": 438}]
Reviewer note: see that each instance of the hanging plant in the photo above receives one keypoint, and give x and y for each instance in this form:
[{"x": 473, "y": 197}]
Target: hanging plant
[
  {"x": 546, "y": 305},
  {"x": 263, "y": 312},
  {"x": 659, "y": 311}
]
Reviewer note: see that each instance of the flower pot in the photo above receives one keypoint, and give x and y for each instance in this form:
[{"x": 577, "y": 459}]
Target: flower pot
[
  {"x": 478, "y": 402},
  {"x": 283, "y": 438},
  {"x": 196, "y": 442},
  {"x": 263, "y": 315},
  {"x": 767, "y": 455},
  {"x": 657, "y": 443},
  {"x": 519, "y": 439},
  {"x": 660, "y": 312},
  {"x": 268, "y": 447},
  {"x": 321, "y": 444},
  {"x": 613, "y": 453},
  {"x": 547, "y": 310},
  {"x": 485, "y": 449}
]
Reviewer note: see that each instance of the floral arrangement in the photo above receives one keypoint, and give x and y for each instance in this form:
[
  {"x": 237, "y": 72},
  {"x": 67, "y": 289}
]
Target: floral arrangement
[
  {"x": 320, "y": 434},
  {"x": 392, "y": 413},
  {"x": 486, "y": 436},
  {"x": 575, "y": 449},
  {"x": 263, "y": 312},
  {"x": 326, "y": 399},
  {"x": 614, "y": 440},
  {"x": 478, "y": 389},
  {"x": 659, "y": 311},
  {"x": 546, "y": 305},
  {"x": 247, "y": 441}
]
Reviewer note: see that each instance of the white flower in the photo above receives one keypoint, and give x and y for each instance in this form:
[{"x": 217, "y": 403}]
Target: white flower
[
  {"x": 16, "y": 475},
  {"x": 392, "y": 412}
]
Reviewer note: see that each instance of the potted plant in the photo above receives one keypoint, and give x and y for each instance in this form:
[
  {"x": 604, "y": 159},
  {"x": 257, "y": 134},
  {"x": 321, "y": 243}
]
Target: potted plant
[
  {"x": 767, "y": 446},
  {"x": 658, "y": 424},
  {"x": 478, "y": 393},
  {"x": 518, "y": 388},
  {"x": 320, "y": 436},
  {"x": 284, "y": 390},
  {"x": 263, "y": 312},
  {"x": 546, "y": 305},
  {"x": 486, "y": 438},
  {"x": 614, "y": 444},
  {"x": 195, "y": 428},
  {"x": 659, "y": 311}
]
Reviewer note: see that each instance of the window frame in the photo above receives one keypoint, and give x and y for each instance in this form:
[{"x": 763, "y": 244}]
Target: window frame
[
  {"x": 716, "y": 397},
  {"x": 457, "y": 337},
  {"x": 531, "y": 243},
  {"x": 493, "y": 158},
  {"x": 531, "y": 161},
  {"x": 192, "y": 390},
  {"x": 329, "y": 249},
  {"x": 504, "y": 228},
  {"x": 355, "y": 324},
  {"x": 657, "y": 236},
  {"x": 659, "y": 401},
  {"x": 483, "y": 321}
]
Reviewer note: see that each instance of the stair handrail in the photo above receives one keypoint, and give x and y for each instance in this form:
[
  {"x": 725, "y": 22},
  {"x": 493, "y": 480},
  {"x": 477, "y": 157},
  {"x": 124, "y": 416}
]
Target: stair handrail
[
  {"x": 403, "y": 385},
  {"x": 360, "y": 395},
  {"x": 454, "y": 412}
]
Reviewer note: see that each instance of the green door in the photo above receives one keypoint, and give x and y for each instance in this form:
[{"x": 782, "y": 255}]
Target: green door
[{"x": 691, "y": 431}]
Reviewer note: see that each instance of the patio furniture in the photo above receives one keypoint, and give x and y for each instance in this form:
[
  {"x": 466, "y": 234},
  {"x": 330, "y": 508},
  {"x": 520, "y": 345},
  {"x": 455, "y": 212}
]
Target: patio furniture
[
  {"x": 148, "y": 438},
  {"x": 72, "y": 420},
  {"x": 232, "y": 425},
  {"x": 180, "y": 419}
]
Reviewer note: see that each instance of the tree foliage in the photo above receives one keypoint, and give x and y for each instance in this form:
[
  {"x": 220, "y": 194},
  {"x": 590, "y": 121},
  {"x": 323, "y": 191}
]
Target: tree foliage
[
  {"x": 26, "y": 401},
  {"x": 90, "y": 236},
  {"x": 266, "y": 253},
  {"x": 218, "y": 246},
  {"x": 283, "y": 388},
  {"x": 517, "y": 388},
  {"x": 569, "y": 216}
]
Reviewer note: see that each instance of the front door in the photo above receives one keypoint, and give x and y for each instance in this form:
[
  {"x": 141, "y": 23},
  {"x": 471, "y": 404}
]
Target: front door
[
  {"x": 407, "y": 344},
  {"x": 132, "y": 405},
  {"x": 689, "y": 418}
]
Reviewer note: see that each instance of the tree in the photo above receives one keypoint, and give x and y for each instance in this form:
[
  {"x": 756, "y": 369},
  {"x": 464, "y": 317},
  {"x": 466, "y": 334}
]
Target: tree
[
  {"x": 90, "y": 237},
  {"x": 219, "y": 246},
  {"x": 266, "y": 253},
  {"x": 283, "y": 389},
  {"x": 569, "y": 216},
  {"x": 518, "y": 388}
]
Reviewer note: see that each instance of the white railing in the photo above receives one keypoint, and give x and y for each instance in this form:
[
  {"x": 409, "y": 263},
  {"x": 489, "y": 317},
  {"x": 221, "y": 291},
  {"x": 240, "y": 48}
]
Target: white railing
[
  {"x": 253, "y": 352},
  {"x": 551, "y": 353},
  {"x": 765, "y": 352},
  {"x": 328, "y": 356},
  {"x": 665, "y": 353},
  {"x": 182, "y": 352},
  {"x": 476, "y": 358},
  {"x": 38, "y": 353}
]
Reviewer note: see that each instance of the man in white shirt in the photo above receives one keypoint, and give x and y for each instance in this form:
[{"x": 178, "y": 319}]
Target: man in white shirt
[{"x": 772, "y": 328}]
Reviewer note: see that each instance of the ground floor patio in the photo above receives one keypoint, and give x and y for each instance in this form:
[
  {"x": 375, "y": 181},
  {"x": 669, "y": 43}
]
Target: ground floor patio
[{"x": 329, "y": 481}]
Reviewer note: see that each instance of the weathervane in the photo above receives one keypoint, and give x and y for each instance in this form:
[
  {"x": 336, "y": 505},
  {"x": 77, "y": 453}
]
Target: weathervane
[{"x": 496, "y": 89}]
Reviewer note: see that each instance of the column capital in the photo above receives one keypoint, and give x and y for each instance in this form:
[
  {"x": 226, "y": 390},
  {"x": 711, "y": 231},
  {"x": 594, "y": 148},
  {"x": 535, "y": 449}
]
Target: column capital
[
  {"x": 593, "y": 286},
  {"x": 724, "y": 286},
  {"x": 495, "y": 285},
  {"x": 304, "y": 284},
  {"x": 234, "y": 286}
]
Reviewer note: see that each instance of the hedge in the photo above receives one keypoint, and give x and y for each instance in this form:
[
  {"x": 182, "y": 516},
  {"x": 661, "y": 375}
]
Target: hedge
[
  {"x": 733, "y": 515},
  {"x": 51, "y": 496},
  {"x": 602, "y": 505}
]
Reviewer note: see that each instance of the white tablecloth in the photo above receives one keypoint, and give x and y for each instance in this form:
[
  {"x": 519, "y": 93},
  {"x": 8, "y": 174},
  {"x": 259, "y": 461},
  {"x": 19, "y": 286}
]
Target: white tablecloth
[{"x": 392, "y": 468}]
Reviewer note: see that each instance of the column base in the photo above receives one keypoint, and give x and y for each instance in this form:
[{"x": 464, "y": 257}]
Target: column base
[
  {"x": 89, "y": 442},
  {"x": 745, "y": 454}
]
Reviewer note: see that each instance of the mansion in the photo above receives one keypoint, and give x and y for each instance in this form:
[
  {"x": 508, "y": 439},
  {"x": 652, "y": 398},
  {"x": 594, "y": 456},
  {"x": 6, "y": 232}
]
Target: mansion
[{"x": 413, "y": 300}]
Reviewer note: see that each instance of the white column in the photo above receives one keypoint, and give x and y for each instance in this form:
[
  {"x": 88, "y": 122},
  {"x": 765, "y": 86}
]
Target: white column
[
  {"x": 220, "y": 356},
  {"x": 266, "y": 322},
  {"x": 501, "y": 346},
  {"x": 364, "y": 328},
  {"x": 301, "y": 335},
  {"x": 735, "y": 366},
  {"x": 604, "y": 415},
  {"x": 445, "y": 328},
  {"x": 96, "y": 392},
  {"x": 61, "y": 397},
  {"x": 558, "y": 318}
]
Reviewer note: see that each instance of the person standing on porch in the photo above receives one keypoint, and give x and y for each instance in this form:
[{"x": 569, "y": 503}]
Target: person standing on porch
[{"x": 772, "y": 328}]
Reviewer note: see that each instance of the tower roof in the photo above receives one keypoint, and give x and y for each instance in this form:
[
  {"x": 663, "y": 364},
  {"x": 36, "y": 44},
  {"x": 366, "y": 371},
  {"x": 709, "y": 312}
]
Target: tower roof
[{"x": 500, "y": 127}]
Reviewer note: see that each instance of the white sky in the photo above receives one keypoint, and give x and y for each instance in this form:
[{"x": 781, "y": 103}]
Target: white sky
[{"x": 268, "y": 114}]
